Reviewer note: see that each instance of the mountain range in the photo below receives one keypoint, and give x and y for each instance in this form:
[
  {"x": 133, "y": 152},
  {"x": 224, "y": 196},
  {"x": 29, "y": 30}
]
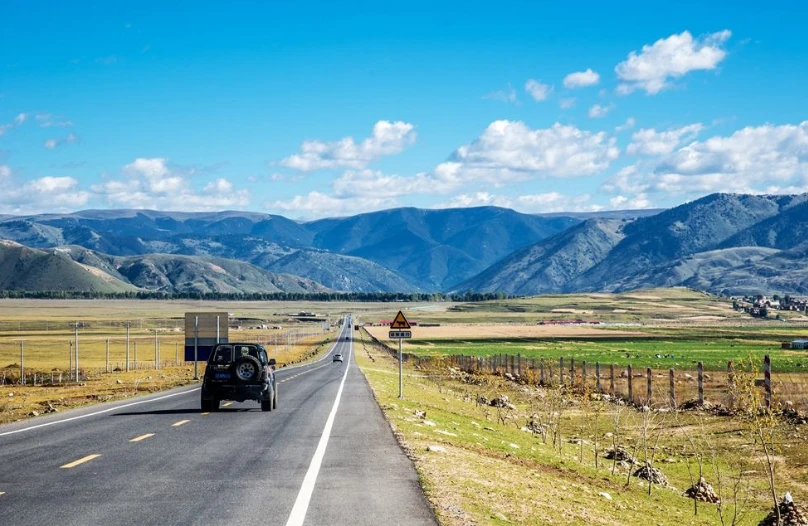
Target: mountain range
[{"x": 722, "y": 243}]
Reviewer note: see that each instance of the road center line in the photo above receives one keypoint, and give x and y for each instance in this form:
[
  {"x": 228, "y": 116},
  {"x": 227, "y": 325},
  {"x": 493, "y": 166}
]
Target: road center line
[
  {"x": 108, "y": 410},
  {"x": 301, "y": 506},
  {"x": 79, "y": 461},
  {"x": 181, "y": 422},
  {"x": 227, "y": 404},
  {"x": 142, "y": 437},
  {"x": 2, "y": 492}
]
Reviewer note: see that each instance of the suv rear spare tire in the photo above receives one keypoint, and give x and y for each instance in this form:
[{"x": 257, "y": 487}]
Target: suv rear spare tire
[{"x": 247, "y": 368}]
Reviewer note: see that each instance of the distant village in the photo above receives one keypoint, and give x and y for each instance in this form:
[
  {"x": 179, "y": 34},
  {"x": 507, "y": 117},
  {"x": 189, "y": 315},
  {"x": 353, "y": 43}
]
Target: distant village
[{"x": 760, "y": 306}]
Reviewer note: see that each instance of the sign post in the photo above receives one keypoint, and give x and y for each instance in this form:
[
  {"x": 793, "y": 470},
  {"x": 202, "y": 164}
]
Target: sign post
[{"x": 396, "y": 332}]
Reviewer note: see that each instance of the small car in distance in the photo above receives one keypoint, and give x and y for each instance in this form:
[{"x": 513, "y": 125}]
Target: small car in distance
[{"x": 338, "y": 357}]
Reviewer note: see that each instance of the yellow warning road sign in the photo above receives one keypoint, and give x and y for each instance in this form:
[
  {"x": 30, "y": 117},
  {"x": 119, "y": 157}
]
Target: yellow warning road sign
[{"x": 400, "y": 322}]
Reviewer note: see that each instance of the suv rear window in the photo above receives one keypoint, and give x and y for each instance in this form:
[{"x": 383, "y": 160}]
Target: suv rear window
[{"x": 224, "y": 353}]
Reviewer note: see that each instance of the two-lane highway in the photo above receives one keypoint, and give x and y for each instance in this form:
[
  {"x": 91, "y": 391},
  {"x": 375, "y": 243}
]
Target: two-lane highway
[{"x": 325, "y": 456}]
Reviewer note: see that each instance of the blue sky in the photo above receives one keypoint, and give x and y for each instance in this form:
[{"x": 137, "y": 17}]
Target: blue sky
[{"x": 324, "y": 109}]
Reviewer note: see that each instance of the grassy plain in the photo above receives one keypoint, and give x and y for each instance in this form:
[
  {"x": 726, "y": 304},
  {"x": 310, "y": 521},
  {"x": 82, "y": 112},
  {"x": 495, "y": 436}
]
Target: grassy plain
[{"x": 487, "y": 469}]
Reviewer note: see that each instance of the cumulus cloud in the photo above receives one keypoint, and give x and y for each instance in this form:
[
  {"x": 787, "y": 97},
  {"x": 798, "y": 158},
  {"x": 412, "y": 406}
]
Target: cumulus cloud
[
  {"x": 512, "y": 151},
  {"x": 387, "y": 138},
  {"x": 530, "y": 203},
  {"x": 153, "y": 183},
  {"x": 506, "y": 152},
  {"x": 317, "y": 205},
  {"x": 597, "y": 111},
  {"x": 581, "y": 79},
  {"x": 537, "y": 90},
  {"x": 653, "y": 68},
  {"x": 652, "y": 142},
  {"x": 755, "y": 159},
  {"x": 44, "y": 194},
  {"x": 635, "y": 202},
  {"x": 566, "y": 104}
]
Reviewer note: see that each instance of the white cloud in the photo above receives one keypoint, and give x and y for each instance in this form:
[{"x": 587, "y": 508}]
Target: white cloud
[
  {"x": 46, "y": 194},
  {"x": 566, "y": 104},
  {"x": 70, "y": 138},
  {"x": 597, "y": 111},
  {"x": 504, "y": 95},
  {"x": 506, "y": 152},
  {"x": 46, "y": 120},
  {"x": 581, "y": 79},
  {"x": 530, "y": 203},
  {"x": 630, "y": 203},
  {"x": 658, "y": 64},
  {"x": 510, "y": 151},
  {"x": 388, "y": 138},
  {"x": 630, "y": 123},
  {"x": 537, "y": 90},
  {"x": 755, "y": 159},
  {"x": 153, "y": 183},
  {"x": 652, "y": 142},
  {"x": 16, "y": 122},
  {"x": 317, "y": 205}
]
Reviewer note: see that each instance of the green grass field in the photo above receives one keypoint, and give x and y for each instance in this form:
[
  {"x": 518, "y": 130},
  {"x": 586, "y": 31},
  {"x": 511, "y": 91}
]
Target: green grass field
[{"x": 654, "y": 352}]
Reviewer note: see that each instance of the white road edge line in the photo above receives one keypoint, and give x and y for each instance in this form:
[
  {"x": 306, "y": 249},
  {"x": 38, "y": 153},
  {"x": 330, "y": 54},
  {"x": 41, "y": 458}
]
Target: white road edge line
[
  {"x": 301, "y": 506},
  {"x": 108, "y": 410}
]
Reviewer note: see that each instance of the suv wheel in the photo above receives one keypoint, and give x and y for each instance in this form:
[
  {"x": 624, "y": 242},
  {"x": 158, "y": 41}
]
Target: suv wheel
[
  {"x": 207, "y": 406},
  {"x": 275, "y": 398},
  {"x": 266, "y": 405},
  {"x": 247, "y": 368}
]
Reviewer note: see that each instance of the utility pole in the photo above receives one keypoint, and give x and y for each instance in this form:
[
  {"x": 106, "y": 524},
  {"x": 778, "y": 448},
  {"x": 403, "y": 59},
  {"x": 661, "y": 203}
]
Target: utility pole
[
  {"x": 196, "y": 347},
  {"x": 22, "y": 362},
  {"x": 127, "y": 346},
  {"x": 77, "y": 351},
  {"x": 156, "y": 352}
]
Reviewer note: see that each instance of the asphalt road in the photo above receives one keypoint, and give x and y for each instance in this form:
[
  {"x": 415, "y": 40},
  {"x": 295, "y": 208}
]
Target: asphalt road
[{"x": 324, "y": 457}]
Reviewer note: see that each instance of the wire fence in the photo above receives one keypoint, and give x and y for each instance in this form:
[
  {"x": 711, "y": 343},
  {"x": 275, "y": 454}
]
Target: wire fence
[{"x": 637, "y": 385}]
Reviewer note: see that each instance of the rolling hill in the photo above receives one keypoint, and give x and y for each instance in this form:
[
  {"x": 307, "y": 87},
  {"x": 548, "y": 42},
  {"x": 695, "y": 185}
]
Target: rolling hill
[
  {"x": 27, "y": 269},
  {"x": 724, "y": 243}
]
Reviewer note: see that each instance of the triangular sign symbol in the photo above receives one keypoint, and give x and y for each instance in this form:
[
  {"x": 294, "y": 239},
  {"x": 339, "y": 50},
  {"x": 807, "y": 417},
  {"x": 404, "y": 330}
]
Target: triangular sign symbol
[{"x": 400, "y": 322}]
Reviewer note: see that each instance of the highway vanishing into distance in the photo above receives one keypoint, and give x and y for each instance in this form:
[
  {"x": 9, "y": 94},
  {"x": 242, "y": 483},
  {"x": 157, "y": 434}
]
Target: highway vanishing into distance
[{"x": 325, "y": 456}]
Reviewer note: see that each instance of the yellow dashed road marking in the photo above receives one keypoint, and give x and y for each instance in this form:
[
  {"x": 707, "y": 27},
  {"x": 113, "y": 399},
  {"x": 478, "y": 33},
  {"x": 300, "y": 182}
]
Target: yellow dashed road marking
[
  {"x": 142, "y": 437},
  {"x": 2, "y": 492},
  {"x": 204, "y": 414},
  {"x": 227, "y": 404},
  {"x": 79, "y": 461},
  {"x": 181, "y": 422}
]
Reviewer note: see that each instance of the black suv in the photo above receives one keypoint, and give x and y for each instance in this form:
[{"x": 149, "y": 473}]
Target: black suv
[{"x": 239, "y": 371}]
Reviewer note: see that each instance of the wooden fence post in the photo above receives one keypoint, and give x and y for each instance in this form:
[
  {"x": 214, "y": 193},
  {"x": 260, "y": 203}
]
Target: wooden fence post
[
  {"x": 701, "y": 383},
  {"x": 611, "y": 379},
  {"x": 672, "y": 389},
  {"x": 561, "y": 371},
  {"x": 519, "y": 364},
  {"x": 572, "y": 372},
  {"x": 731, "y": 383},
  {"x": 583, "y": 373},
  {"x": 648, "y": 393},
  {"x": 630, "y": 385},
  {"x": 767, "y": 372},
  {"x": 597, "y": 376},
  {"x": 541, "y": 372}
]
